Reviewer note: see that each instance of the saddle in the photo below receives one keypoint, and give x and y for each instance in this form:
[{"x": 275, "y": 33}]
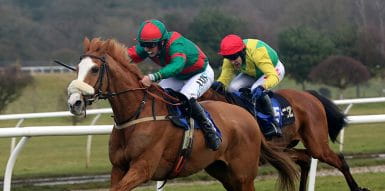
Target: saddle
[
  {"x": 180, "y": 115},
  {"x": 283, "y": 111}
]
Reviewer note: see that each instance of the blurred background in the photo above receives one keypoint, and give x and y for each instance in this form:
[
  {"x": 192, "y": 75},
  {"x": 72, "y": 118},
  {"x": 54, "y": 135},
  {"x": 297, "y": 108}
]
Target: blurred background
[
  {"x": 336, "y": 43},
  {"x": 336, "y": 47}
]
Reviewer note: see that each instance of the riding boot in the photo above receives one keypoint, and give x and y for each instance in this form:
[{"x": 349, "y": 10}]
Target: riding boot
[
  {"x": 267, "y": 108},
  {"x": 213, "y": 141}
]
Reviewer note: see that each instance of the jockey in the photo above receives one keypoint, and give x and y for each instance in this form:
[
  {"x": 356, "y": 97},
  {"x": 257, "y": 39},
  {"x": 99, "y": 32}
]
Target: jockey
[
  {"x": 259, "y": 69},
  {"x": 185, "y": 68}
]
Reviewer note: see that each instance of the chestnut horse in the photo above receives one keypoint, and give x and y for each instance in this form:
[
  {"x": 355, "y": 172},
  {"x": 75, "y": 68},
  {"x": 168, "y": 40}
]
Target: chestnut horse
[
  {"x": 148, "y": 150},
  {"x": 316, "y": 117}
]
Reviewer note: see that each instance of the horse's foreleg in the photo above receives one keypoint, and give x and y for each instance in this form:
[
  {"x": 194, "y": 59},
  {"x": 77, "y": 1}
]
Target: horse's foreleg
[
  {"x": 116, "y": 175},
  {"x": 139, "y": 172}
]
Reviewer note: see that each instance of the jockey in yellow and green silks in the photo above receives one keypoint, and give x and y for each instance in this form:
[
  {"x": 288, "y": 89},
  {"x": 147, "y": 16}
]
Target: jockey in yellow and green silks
[
  {"x": 185, "y": 68},
  {"x": 251, "y": 63}
]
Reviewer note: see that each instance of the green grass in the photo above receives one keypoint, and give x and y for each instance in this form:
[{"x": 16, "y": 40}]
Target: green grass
[
  {"x": 373, "y": 181},
  {"x": 57, "y": 156},
  {"x": 47, "y": 93},
  {"x": 373, "y": 88}
]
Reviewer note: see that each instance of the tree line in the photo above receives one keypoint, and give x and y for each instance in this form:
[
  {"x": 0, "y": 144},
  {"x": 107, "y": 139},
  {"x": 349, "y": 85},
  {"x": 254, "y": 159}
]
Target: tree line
[{"x": 311, "y": 37}]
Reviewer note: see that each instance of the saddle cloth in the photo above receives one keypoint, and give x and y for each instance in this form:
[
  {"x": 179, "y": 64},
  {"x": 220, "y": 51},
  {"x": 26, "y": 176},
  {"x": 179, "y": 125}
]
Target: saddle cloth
[
  {"x": 180, "y": 115},
  {"x": 284, "y": 114}
]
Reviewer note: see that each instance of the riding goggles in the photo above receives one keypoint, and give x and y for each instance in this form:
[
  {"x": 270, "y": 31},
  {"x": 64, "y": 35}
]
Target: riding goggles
[
  {"x": 232, "y": 56},
  {"x": 148, "y": 44}
]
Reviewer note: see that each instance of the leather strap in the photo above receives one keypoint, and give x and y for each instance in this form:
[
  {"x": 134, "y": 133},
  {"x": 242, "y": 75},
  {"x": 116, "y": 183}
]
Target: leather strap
[{"x": 140, "y": 120}]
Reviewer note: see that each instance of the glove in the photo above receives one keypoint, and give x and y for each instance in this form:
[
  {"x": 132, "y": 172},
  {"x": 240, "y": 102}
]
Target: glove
[
  {"x": 258, "y": 92},
  {"x": 218, "y": 86}
]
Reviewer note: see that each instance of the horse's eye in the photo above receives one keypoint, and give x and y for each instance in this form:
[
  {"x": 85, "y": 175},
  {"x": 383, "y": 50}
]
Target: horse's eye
[{"x": 94, "y": 70}]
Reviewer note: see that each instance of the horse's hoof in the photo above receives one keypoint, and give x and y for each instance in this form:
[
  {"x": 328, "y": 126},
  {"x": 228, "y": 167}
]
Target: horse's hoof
[{"x": 363, "y": 189}]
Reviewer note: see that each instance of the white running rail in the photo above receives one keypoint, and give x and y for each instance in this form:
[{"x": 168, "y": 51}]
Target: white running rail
[{"x": 28, "y": 132}]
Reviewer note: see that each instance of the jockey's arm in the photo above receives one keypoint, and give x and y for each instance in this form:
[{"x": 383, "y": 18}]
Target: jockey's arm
[
  {"x": 264, "y": 63},
  {"x": 227, "y": 73},
  {"x": 175, "y": 66},
  {"x": 136, "y": 54}
]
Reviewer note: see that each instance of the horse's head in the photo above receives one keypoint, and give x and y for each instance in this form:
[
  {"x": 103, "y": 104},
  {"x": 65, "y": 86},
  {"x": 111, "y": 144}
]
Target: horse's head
[{"x": 93, "y": 80}]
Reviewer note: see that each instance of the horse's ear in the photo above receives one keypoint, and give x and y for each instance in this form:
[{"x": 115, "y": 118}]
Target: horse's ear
[{"x": 86, "y": 44}]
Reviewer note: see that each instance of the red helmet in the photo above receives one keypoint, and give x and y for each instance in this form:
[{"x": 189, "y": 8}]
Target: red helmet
[
  {"x": 231, "y": 44},
  {"x": 152, "y": 31}
]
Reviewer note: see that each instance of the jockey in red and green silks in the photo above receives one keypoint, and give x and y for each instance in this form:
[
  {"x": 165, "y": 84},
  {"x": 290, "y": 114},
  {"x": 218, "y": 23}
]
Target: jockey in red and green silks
[{"x": 185, "y": 68}]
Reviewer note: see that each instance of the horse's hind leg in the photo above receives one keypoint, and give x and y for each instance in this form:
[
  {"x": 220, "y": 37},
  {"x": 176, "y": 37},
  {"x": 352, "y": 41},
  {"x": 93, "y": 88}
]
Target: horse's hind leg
[
  {"x": 233, "y": 178},
  {"x": 303, "y": 159},
  {"x": 324, "y": 153},
  {"x": 219, "y": 170}
]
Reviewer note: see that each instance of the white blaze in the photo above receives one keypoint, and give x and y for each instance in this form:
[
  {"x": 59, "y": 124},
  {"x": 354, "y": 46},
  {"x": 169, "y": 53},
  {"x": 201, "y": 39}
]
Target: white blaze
[
  {"x": 78, "y": 87},
  {"x": 85, "y": 65}
]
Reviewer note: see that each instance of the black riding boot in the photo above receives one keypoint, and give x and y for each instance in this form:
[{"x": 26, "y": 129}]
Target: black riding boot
[
  {"x": 267, "y": 109},
  {"x": 213, "y": 141}
]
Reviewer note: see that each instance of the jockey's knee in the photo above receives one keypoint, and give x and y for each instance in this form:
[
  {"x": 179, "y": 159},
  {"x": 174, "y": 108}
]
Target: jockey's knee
[{"x": 233, "y": 88}]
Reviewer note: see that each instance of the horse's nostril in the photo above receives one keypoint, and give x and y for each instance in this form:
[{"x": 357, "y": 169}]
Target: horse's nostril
[{"x": 78, "y": 103}]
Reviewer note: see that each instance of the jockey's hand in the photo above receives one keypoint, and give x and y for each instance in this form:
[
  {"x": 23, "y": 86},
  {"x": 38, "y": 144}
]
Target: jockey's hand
[
  {"x": 258, "y": 92},
  {"x": 218, "y": 86},
  {"x": 146, "y": 81}
]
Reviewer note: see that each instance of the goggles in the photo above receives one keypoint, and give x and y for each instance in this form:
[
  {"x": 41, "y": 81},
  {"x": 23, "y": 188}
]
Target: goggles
[
  {"x": 232, "y": 56},
  {"x": 148, "y": 44}
]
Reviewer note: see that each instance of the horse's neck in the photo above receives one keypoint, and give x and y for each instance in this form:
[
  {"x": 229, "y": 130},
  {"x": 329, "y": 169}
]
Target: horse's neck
[{"x": 126, "y": 104}]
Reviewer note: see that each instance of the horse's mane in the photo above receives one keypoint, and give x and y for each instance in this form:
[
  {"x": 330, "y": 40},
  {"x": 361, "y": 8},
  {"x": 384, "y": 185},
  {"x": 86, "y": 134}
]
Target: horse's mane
[{"x": 117, "y": 51}]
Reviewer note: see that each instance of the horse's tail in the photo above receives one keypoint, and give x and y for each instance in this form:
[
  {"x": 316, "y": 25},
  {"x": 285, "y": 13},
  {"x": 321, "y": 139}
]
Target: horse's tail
[
  {"x": 287, "y": 171},
  {"x": 336, "y": 119}
]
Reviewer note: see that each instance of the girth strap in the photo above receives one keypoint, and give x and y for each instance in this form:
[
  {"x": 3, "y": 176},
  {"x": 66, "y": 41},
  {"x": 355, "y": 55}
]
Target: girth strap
[{"x": 140, "y": 120}]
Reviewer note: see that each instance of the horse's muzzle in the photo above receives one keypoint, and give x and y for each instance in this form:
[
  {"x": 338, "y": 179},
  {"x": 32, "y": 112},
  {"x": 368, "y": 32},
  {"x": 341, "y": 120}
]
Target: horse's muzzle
[{"x": 76, "y": 104}]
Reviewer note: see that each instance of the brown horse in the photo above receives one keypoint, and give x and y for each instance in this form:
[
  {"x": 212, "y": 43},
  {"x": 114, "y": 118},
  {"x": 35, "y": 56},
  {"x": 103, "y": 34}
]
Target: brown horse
[
  {"x": 148, "y": 150},
  {"x": 316, "y": 117}
]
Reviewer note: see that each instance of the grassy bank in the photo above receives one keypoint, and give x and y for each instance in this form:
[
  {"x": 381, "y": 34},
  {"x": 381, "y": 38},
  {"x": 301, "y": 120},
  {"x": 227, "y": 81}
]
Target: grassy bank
[{"x": 48, "y": 93}]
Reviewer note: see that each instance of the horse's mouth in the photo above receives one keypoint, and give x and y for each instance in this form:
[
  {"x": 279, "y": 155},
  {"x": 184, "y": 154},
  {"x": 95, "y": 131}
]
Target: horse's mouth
[{"x": 76, "y": 104}]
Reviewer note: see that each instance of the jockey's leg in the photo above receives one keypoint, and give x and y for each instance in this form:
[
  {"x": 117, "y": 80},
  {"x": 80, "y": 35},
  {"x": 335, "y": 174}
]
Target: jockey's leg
[
  {"x": 172, "y": 83},
  {"x": 193, "y": 89},
  {"x": 240, "y": 81},
  {"x": 212, "y": 139},
  {"x": 267, "y": 109}
]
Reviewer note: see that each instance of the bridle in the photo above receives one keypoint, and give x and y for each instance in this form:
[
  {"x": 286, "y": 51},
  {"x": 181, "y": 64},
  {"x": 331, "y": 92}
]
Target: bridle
[{"x": 104, "y": 70}]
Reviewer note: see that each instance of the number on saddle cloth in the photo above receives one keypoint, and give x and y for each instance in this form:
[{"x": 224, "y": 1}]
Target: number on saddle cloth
[{"x": 283, "y": 112}]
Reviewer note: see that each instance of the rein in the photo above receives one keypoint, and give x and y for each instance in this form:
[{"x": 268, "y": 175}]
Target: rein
[
  {"x": 188, "y": 135},
  {"x": 104, "y": 70}
]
